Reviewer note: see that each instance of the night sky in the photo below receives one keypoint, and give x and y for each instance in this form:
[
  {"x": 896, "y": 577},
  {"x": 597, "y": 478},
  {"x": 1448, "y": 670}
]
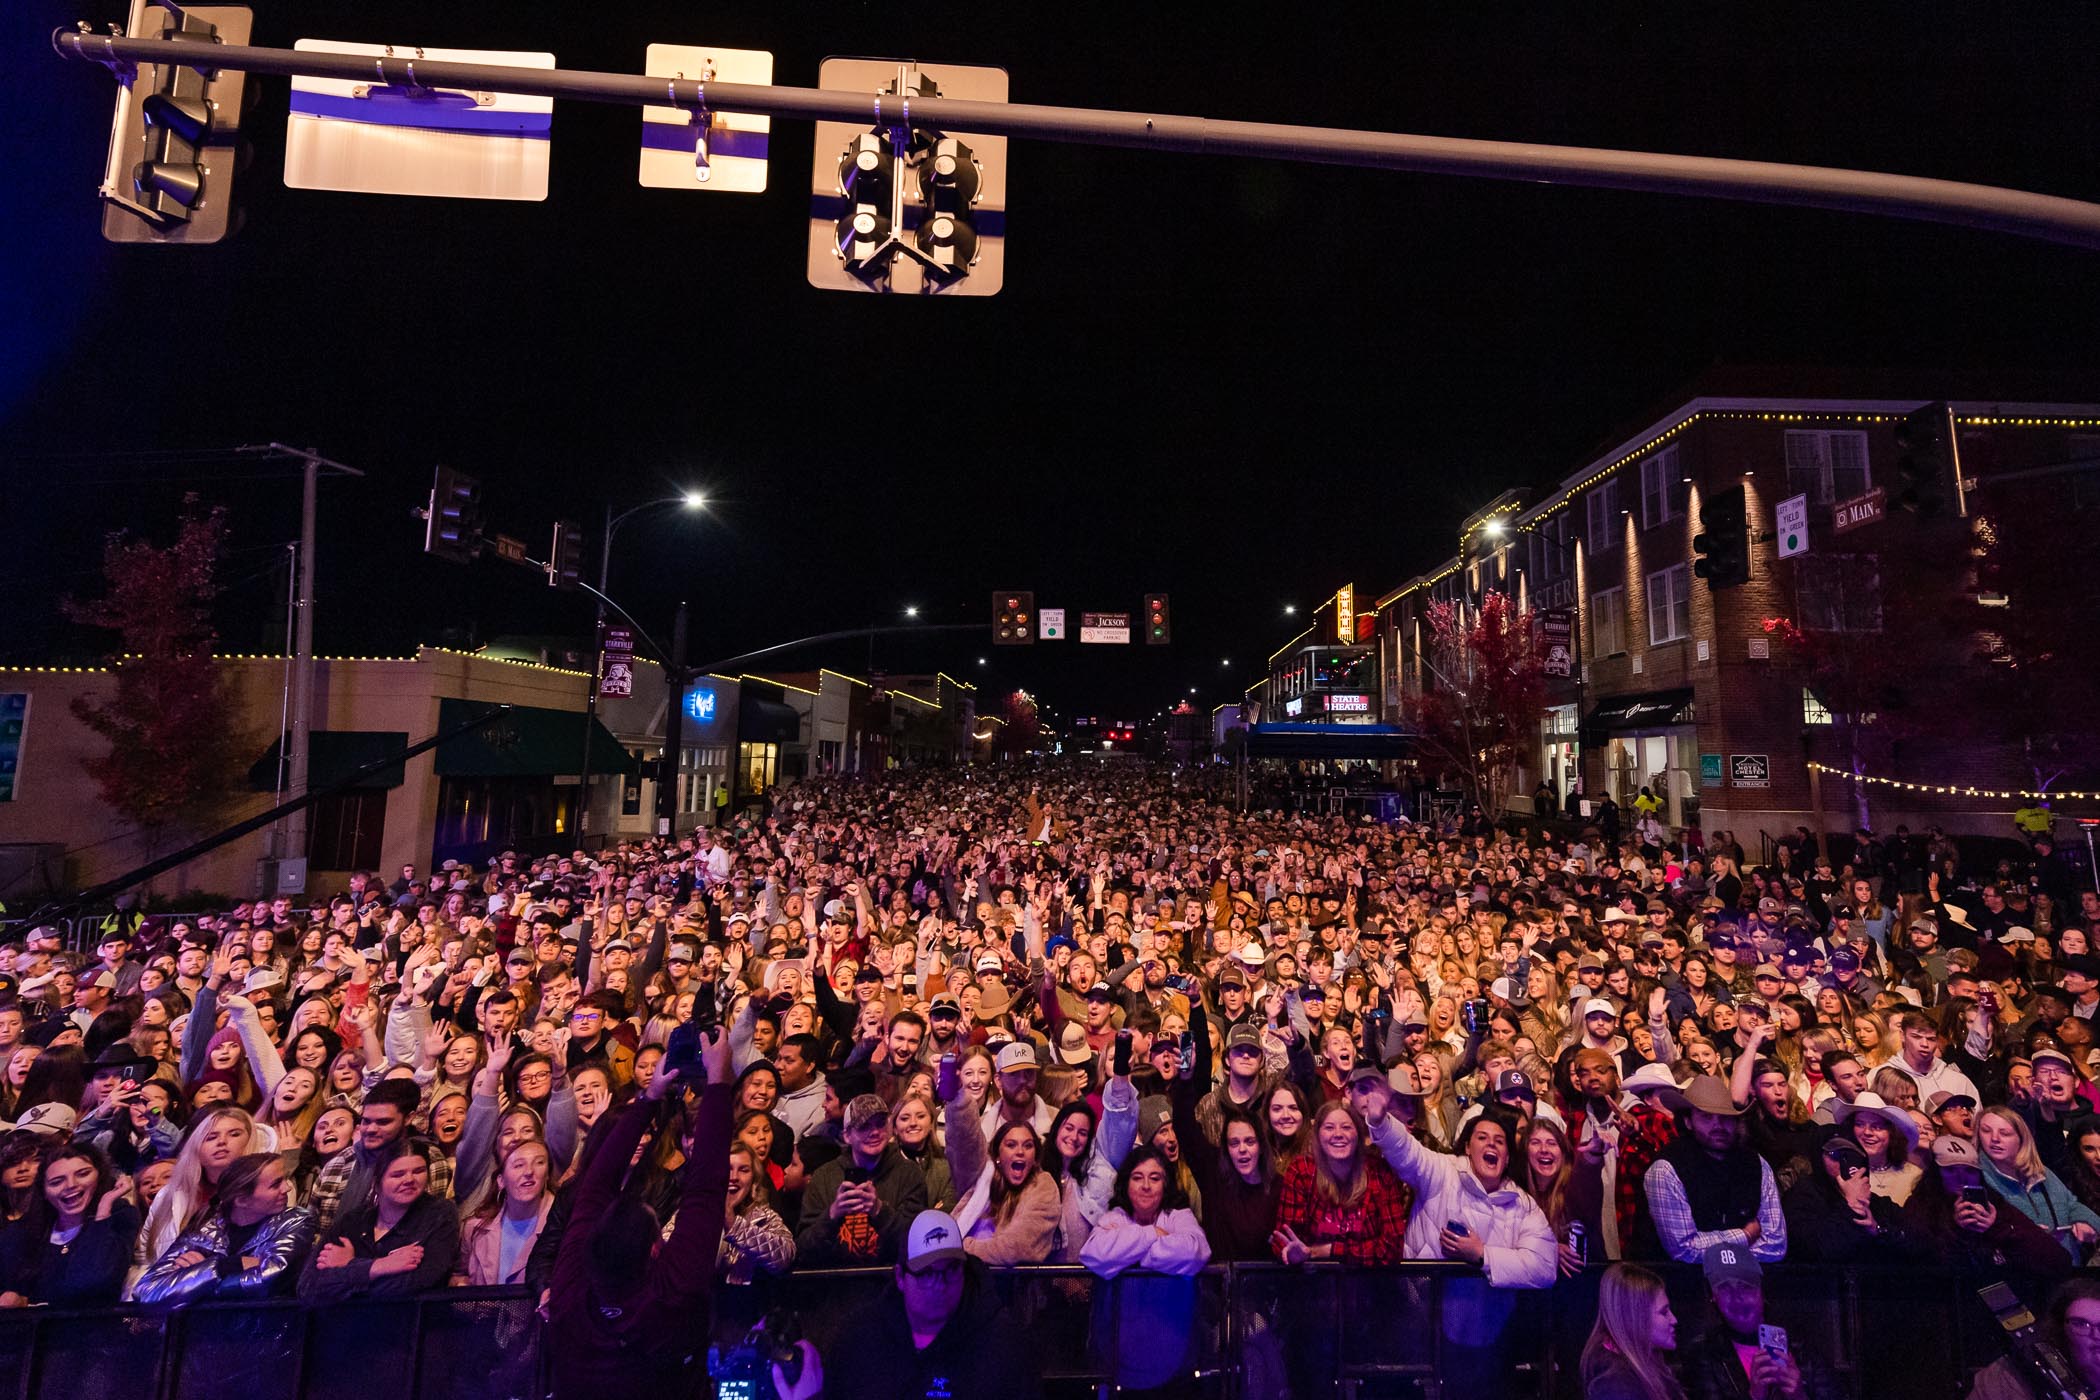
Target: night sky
[{"x": 1242, "y": 383}]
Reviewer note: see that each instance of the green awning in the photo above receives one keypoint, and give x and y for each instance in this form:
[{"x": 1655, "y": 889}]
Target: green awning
[
  {"x": 525, "y": 743},
  {"x": 333, "y": 755}
]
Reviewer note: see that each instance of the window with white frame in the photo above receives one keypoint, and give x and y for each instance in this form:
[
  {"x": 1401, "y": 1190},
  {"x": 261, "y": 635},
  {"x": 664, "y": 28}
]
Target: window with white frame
[
  {"x": 1827, "y": 466},
  {"x": 1663, "y": 489},
  {"x": 1603, "y": 507},
  {"x": 1839, "y": 592},
  {"x": 1814, "y": 711},
  {"x": 1669, "y": 605},
  {"x": 1608, "y": 622}
]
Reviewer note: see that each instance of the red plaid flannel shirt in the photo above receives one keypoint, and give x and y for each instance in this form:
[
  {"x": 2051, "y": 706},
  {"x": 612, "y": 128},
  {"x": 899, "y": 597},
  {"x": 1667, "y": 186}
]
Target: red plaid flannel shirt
[{"x": 1373, "y": 1231}]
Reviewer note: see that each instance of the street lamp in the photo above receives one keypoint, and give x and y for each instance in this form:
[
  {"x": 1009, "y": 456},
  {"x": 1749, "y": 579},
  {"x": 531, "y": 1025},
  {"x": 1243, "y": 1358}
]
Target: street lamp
[
  {"x": 688, "y": 500},
  {"x": 911, "y": 612},
  {"x": 1290, "y": 609}
]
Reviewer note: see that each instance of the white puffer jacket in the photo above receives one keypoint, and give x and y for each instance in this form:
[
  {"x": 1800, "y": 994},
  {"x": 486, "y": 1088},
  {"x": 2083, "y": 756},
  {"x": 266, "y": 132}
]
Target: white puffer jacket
[{"x": 1519, "y": 1250}]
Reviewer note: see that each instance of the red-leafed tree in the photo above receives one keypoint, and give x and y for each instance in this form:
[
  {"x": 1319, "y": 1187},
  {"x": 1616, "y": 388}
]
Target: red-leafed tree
[
  {"x": 1485, "y": 691},
  {"x": 1023, "y": 732},
  {"x": 174, "y": 746},
  {"x": 1978, "y": 642}
]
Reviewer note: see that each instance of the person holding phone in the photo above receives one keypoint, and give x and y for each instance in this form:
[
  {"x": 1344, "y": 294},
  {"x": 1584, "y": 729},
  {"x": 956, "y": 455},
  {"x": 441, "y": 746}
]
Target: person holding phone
[{"x": 1741, "y": 1354}]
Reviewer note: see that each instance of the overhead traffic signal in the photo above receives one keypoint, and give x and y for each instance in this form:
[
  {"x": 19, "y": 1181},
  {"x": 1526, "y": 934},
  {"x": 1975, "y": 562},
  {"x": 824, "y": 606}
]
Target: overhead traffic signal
[
  {"x": 452, "y": 527},
  {"x": 173, "y": 144},
  {"x": 1013, "y": 618},
  {"x": 900, "y": 205},
  {"x": 1925, "y": 460},
  {"x": 565, "y": 558},
  {"x": 868, "y": 179},
  {"x": 1159, "y": 627},
  {"x": 1723, "y": 547}
]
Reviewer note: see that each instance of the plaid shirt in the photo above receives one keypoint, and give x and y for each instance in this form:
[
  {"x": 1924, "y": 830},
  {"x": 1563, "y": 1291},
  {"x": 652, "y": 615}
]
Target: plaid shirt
[
  {"x": 1372, "y": 1231},
  {"x": 326, "y": 1198}
]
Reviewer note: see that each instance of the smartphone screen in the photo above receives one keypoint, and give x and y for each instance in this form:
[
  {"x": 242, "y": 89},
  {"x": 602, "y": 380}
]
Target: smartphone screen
[{"x": 1772, "y": 1339}]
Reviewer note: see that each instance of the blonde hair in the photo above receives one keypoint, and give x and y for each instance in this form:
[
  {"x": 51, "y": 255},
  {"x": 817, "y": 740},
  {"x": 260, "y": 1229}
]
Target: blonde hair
[
  {"x": 182, "y": 1199},
  {"x": 2027, "y": 1162},
  {"x": 1625, "y": 1329}
]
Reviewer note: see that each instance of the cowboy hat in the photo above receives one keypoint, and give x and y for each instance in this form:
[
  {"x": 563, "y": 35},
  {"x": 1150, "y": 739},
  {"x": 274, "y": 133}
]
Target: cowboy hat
[
  {"x": 1867, "y": 1101},
  {"x": 1708, "y": 1093}
]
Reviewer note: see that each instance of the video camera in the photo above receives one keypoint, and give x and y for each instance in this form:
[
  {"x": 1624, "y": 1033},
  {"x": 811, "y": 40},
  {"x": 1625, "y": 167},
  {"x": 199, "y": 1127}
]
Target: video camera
[
  {"x": 2047, "y": 1370},
  {"x": 744, "y": 1371}
]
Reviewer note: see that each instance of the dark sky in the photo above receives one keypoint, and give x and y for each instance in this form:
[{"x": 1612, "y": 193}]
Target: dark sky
[{"x": 1243, "y": 383}]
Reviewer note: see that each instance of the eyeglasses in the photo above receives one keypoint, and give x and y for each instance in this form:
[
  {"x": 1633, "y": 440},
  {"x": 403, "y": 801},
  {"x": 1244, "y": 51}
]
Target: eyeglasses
[{"x": 2083, "y": 1327}]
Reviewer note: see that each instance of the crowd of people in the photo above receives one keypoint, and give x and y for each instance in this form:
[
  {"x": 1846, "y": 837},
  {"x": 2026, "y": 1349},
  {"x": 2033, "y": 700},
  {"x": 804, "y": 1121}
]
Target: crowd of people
[{"x": 957, "y": 1021}]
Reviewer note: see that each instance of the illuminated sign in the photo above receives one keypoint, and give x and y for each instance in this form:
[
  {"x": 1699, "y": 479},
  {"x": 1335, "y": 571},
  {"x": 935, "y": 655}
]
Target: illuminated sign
[
  {"x": 1348, "y": 704},
  {"x": 1345, "y": 613},
  {"x": 700, "y": 704}
]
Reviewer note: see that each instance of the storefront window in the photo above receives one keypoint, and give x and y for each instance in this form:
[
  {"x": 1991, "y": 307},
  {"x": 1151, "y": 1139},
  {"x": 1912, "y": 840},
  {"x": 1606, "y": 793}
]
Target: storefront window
[
  {"x": 760, "y": 766},
  {"x": 1560, "y": 751}
]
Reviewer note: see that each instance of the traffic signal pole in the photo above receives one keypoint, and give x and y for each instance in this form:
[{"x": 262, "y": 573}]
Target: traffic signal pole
[
  {"x": 2022, "y": 213},
  {"x": 298, "y": 754}
]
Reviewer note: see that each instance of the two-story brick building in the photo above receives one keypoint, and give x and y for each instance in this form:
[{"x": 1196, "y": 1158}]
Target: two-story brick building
[{"x": 1697, "y": 693}]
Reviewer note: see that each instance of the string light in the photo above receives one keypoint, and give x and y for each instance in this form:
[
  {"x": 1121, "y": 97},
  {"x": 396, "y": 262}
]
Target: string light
[{"x": 1956, "y": 789}]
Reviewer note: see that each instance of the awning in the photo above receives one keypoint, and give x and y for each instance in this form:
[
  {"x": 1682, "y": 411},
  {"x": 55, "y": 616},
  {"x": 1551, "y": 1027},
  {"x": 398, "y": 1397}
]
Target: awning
[
  {"x": 527, "y": 742},
  {"x": 1329, "y": 741},
  {"x": 1655, "y": 709},
  {"x": 333, "y": 755},
  {"x": 767, "y": 721}
]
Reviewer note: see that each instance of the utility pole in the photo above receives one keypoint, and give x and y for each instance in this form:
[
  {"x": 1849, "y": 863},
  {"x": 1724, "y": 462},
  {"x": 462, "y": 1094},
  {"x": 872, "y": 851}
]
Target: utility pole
[
  {"x": 675, "y": 675},
  {"x": 590, "y": 706},
  {"x": 299, "y": 752}
]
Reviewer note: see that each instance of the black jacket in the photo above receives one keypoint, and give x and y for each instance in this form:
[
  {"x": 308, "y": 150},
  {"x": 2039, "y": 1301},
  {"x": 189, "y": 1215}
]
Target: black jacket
[
  {"x": 432, "y": 1222},
  {"x": 1713, "y": 1370},
  {"x": 88, "y": 1270},
  {"x": 981, "y": 1352},
  {"x": 1820, "y": 1228}
]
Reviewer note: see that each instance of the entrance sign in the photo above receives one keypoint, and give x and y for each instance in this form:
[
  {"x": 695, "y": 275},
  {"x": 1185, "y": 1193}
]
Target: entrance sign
[{"x": 1750, "y": 770}]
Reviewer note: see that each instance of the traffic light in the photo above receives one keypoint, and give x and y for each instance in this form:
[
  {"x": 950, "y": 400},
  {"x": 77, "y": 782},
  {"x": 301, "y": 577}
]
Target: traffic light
[
  {"x": 173, "y": 144},
  {"x": 1013, "y": 618},
  {"x": 1925, "y": 460},
  {"x": 565, "y": 557},
  {"x": 950, "y": 180},
  {"x": 868, "y": 178},
  {"x": 452, "y": 526},
  {"x": 1159, "y": 628},
  {"x": 1723, "y": 546},
  {"x": 899, "y": 205}
]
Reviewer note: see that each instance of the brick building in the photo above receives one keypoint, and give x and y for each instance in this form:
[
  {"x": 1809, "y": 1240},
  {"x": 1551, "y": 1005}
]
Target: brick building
[{"x": 1699, "y": 694}]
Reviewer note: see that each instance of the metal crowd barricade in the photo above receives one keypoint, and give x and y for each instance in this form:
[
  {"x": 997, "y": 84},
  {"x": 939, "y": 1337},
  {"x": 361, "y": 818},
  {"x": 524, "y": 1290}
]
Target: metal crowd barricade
[{"x": 1254, "y": 1331}]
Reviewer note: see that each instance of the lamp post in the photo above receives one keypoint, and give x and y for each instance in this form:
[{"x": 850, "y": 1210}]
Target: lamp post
[
  {"x": 1498, "y": 532},
  {"x": 690, "y": 500}
]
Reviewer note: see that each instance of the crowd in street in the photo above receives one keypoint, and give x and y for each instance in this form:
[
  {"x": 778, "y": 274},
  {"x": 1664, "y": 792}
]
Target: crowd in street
[{"x": 947, "y": 1023}]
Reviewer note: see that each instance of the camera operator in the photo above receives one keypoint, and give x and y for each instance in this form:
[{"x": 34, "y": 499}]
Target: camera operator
[
  {"x": 622, "y": 1322},
  {"x": 2072, "y": 1329}
]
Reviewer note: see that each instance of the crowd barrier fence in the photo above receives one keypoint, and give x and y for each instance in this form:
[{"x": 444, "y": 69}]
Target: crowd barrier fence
[{"x": 1237, "y": 1332}]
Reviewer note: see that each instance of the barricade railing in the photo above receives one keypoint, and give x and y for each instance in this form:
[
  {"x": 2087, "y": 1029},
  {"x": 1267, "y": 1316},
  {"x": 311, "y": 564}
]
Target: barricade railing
[{"x": 1247, "y": 1330}]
